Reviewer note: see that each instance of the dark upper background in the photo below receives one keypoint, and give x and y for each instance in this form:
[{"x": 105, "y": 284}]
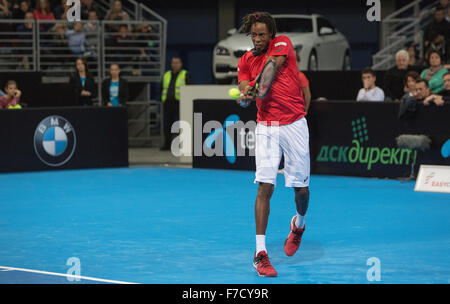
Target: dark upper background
[{"x": 193, "y": 27}]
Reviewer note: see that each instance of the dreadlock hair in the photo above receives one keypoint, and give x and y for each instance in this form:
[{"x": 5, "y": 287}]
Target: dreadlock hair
[{"x": 262, "y": 17}]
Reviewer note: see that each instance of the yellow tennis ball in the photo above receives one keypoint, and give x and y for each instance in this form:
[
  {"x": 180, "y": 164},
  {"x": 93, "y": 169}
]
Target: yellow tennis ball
[
  {"x": 234, "y": 93},
  {"x": 17, "y": 106}
]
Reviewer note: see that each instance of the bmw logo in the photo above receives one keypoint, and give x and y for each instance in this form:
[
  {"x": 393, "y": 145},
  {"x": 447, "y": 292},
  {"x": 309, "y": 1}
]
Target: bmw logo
[{"x": 54, "y": 141}]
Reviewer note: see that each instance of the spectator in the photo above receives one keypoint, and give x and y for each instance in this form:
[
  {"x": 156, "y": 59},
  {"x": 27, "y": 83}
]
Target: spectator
[
  {"x": 170, "y": 96},
  {"x": 87, "y": 6},
  {"x": 60, "y": 12},
  {"x": 442, "y": 96},
  {"x": 26, "y": 27},
  {"x": 114, "y": 88},
  {"x": 394, "y": 77},
  {"x": 12, "y": 98},
  {"x": 369, "y": 92},
  {"x": 76, "y": 39},
  {"x": 123, "y": 47},
  {"x": 446, "y": 5},
  {"x": 5, "y": 12},
  {"x": 22, "y": 8},
  {"x": 415, "y": 63},
  {"x": 43, "y": 12},
  {"x": 25, "y": 32},
  {"x": 410, "y": 83},
  {"x": 58, "y": 40},
  {"x": 436, "y": 34},
  {"x": 410, "y": 105},
  {"x": 92, "y": 30},
  {"x": 446, "y": 91},
  {"x": 143, "y": 41},
  {"x": 304, "y": 84},
  {"x": 435, "y": 72},
  {"x": 116, "y": 13},
  {"x": 83, "y": 84}
]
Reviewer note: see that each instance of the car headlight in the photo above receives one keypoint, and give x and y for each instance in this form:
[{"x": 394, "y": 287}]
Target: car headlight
[{"x": 221, "y": 51}]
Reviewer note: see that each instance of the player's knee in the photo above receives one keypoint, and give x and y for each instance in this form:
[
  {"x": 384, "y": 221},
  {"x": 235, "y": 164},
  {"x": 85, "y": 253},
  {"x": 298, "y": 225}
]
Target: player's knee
[
  {"x": 301, "y": 191},
  {"x": 265, "y": 190}
]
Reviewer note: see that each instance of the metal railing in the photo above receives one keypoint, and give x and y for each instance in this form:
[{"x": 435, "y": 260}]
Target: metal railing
[
  {"x": 138, "y": 52},
  {"x": 53, "y": 46},
  {"x": 60, "y": 43},
  {"x": 17, "y": 45}
]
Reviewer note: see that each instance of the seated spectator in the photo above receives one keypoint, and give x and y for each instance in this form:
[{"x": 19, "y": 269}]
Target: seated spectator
[
  {"x": 43, "y": 12},
  {"x": 58, "y": 40},
  {"x": 21, "y": 9},
  {"x": 304, "y": 84},
  {"x": 369, "y": 92},
  {"x": 12, "y": 98},
  {"x": 60, "y": 12},
  {"x": 410, "y": 83},
  {"x": 114, "y": 88},
  {"x": 82, "y": 84},
  {"x": 442, "y": 96},
  {"x": 446, "y": 91},
  {"x": 116, "y": 13},
  {"x": 92, "y": 30},
  {"x": 26, "y": 26},
  {"x": 446, "y": 5},
  {"x": 76, "y": 39},
  {"x": 124, "y": 48},
  {"x": 24, "y": 39},
  {"x": 394, "y": 77},
  {"x": 435, "y": 72},
  {"x": 144, "y": 39},
  {"x": 436, "y": 34},
  {"x": 88, "y": 6},
  {"x": 5, "y": 12},
  {"x": 415, "y": 62}
]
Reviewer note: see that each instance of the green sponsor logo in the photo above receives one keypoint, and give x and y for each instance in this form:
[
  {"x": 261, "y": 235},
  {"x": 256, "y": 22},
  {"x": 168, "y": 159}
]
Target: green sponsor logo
[{"x": 356, "y": 153}]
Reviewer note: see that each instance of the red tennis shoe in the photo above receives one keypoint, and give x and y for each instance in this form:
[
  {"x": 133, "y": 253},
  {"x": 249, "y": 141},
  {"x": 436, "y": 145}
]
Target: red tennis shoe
[
  {"x": 262, "y": 265},
  {"x": 294, "y": 238}
]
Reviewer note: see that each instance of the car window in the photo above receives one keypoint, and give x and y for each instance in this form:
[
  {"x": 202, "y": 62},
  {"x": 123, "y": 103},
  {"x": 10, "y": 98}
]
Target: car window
[
  {"x": 291, "y": 25},
  {"x": 294, "y": 25},
  {"x": 321, "y": 23}
]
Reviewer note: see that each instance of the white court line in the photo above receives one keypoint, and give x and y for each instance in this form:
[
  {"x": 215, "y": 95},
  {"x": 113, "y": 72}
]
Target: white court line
[{"x": 4, "y": 268}]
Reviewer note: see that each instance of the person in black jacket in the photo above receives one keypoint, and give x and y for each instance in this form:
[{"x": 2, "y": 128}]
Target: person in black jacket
[
  {"x": 114, "y": 88},
  {"x": 82, "y": 84}
]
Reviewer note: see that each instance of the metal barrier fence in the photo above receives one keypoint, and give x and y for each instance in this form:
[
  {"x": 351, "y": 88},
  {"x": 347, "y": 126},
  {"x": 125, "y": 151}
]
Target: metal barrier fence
[
  {"x": 52, "y": 47},
  {"x": 136, "y": 46},
  {"x": 17, "y": 46}
]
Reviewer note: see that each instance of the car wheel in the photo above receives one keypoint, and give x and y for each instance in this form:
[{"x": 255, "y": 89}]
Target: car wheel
[
  {"x": 312, "y": 62},
  {"x": 347, "y": 63}
]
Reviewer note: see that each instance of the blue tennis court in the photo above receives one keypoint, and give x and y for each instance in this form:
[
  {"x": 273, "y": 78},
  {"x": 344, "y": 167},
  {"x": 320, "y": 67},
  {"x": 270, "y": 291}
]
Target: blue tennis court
[{"x": 194, "y": 226}]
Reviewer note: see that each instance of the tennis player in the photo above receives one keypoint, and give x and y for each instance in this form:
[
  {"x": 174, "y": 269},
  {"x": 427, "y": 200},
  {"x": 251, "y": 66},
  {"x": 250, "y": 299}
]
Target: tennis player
[{"x": 281, "y": 130}]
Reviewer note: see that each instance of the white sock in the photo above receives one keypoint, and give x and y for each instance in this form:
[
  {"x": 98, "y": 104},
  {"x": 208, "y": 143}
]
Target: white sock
[
  {"x": 260, "y": 243},
  {"x": 300, "y": 221}
]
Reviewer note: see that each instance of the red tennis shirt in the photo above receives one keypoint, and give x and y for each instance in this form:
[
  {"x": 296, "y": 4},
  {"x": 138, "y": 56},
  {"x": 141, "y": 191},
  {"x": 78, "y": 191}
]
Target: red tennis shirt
[{"x": 284, "y": 103}]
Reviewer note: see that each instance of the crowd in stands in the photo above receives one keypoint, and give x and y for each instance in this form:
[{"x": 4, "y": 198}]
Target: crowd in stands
[
  {"x": 414, "y": 80},
  {"x": 77, "y": 38}
]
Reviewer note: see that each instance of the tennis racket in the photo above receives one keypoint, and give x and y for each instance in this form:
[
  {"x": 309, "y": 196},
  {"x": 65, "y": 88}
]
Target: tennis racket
[{"x": 265, "y": 79}]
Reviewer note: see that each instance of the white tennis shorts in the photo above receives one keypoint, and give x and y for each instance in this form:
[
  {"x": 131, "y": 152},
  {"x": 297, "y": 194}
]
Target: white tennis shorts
[{"x": 292, "y": 141}]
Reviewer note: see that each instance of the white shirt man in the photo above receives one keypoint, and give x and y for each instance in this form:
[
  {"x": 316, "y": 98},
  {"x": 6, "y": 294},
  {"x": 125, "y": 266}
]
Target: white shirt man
[{"x": 369, "y": 92}]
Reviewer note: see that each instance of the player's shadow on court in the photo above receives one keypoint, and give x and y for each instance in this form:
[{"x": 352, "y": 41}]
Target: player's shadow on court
[{"x": 309, "y": 251}]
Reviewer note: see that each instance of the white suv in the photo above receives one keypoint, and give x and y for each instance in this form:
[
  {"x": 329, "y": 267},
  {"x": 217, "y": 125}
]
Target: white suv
[{"x": 320, "y": 46}]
